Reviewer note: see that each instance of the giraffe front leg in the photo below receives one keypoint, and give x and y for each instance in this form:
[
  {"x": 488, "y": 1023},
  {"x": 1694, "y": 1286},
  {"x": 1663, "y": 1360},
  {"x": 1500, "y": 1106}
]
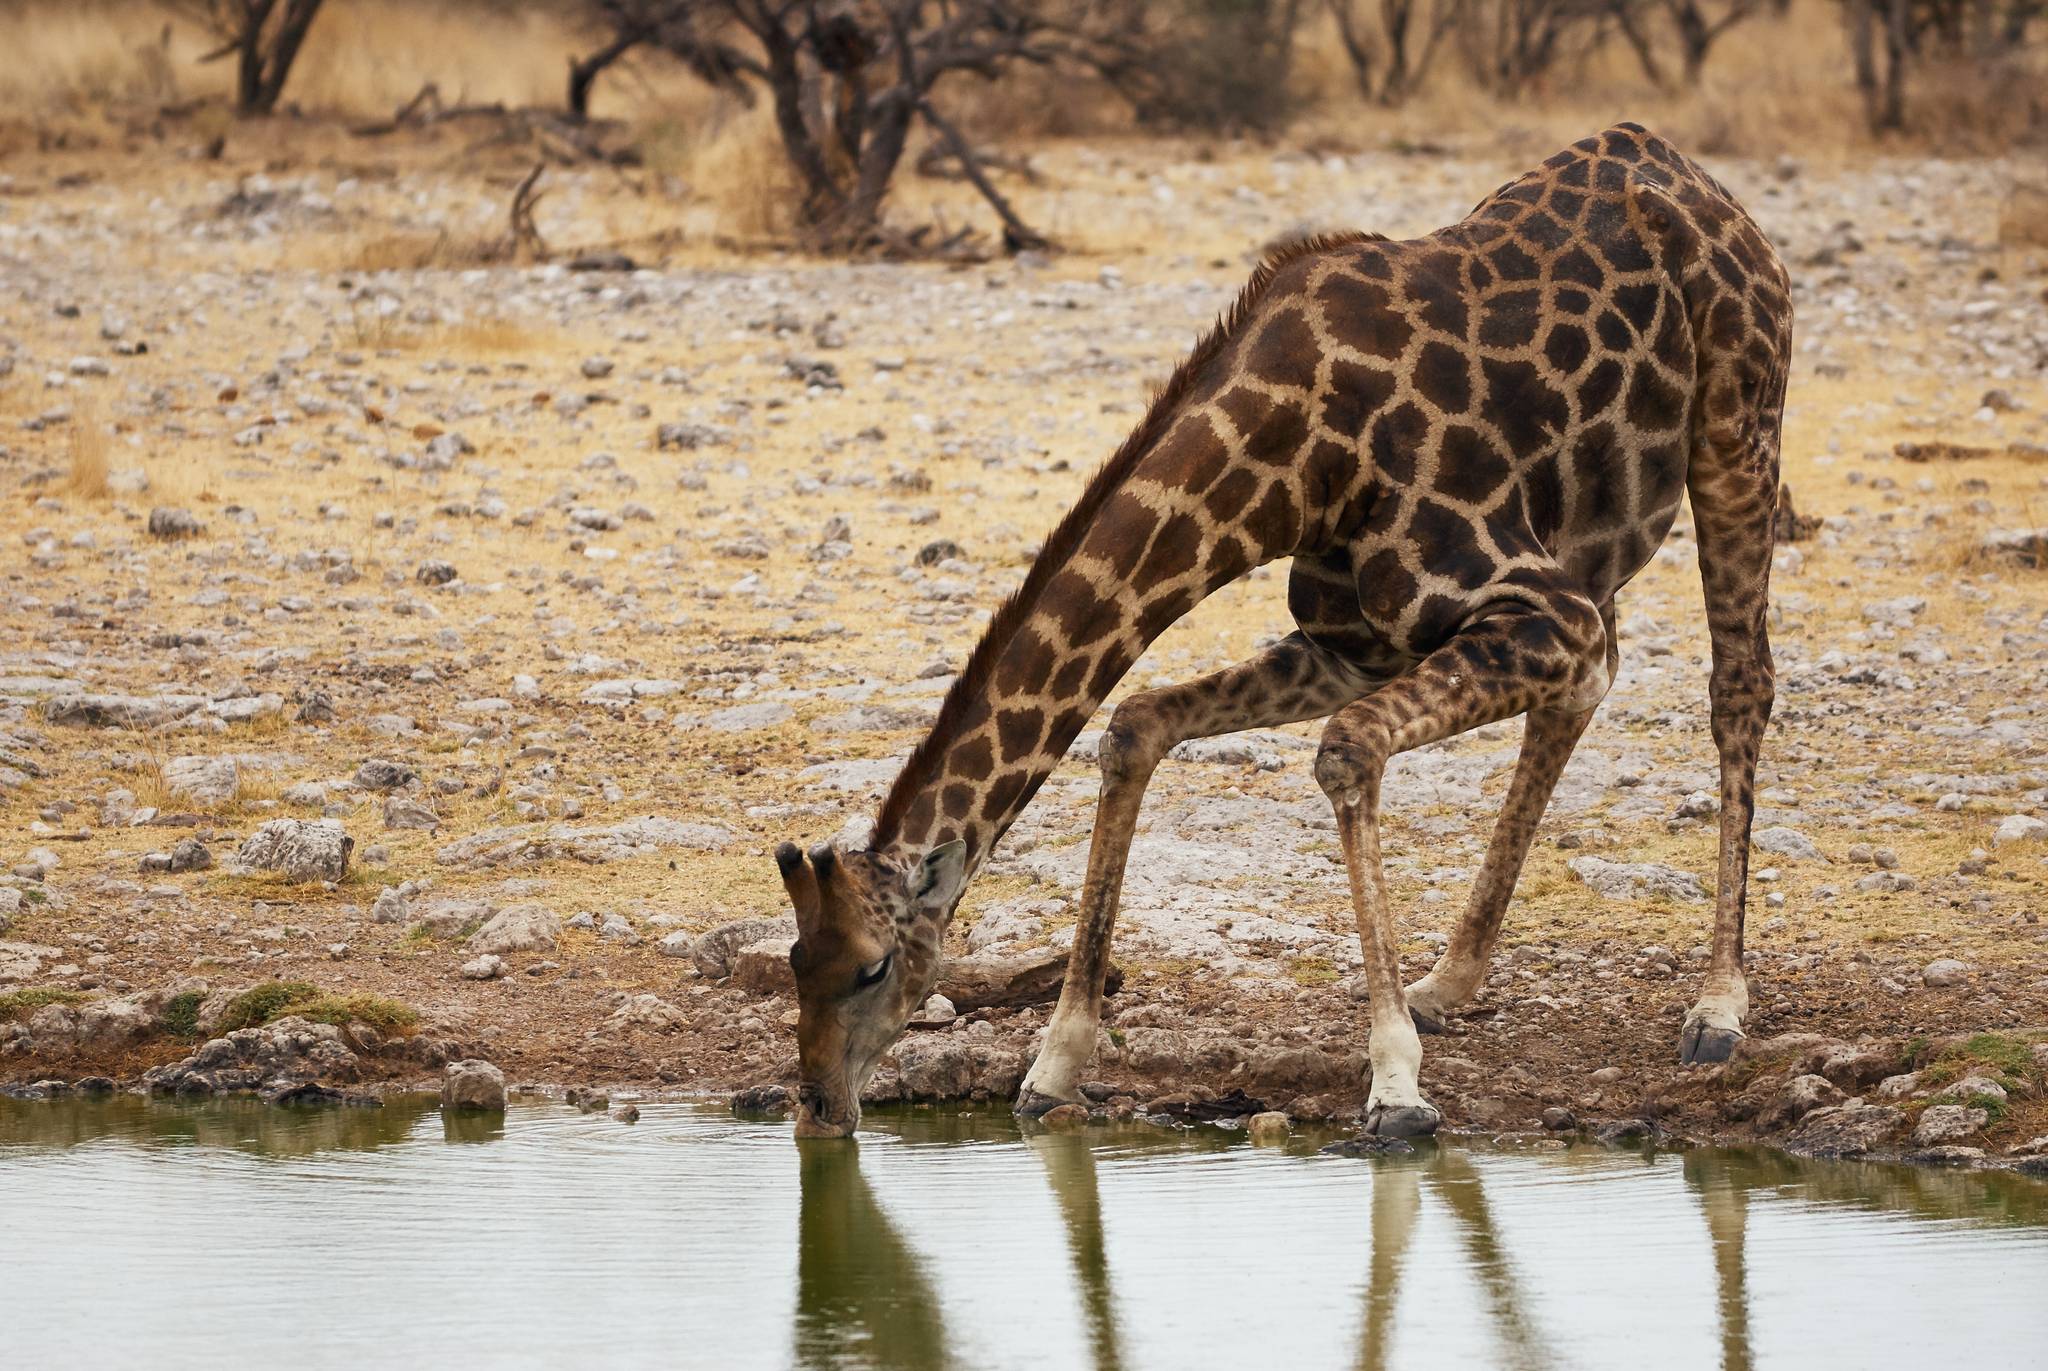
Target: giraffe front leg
[
  {"x": 1287, "y": 682},
  {"x": 1129, "y": 753},
  {"x": 1456, "y": 978},
  {"x": 1734, "y": 496},
  {"x": 1349, "y": 767},
  {"x": 1516, "y": 655},
  {"x": 1547, "y": 746}
]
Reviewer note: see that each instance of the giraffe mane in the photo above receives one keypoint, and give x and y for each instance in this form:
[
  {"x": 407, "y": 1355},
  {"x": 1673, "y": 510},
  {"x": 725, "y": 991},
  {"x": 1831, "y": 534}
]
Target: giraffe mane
[{"x": 1060, "y": 544}]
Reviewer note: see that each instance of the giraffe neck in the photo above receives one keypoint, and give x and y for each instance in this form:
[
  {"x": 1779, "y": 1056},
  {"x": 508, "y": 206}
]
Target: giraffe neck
[
  {"x": 1137, "y": 553},
  {"x": 1215, "y": 481},
  {"x": 1050, "y": 658}
]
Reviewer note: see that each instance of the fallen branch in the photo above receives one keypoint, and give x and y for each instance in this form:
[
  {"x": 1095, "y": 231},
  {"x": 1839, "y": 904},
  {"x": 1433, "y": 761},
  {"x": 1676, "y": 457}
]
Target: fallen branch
[
  {"x": 525, "y": 234},
  {"x": 1018, "y": 236}
]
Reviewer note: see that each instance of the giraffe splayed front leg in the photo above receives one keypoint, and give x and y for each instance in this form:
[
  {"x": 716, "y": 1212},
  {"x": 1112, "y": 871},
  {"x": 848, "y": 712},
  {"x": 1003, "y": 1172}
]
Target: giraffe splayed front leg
[
  {"x": 1290, "y": 681},
  {"x": 1547, "y": 745},
  {"x": 1539, "y": 652}
]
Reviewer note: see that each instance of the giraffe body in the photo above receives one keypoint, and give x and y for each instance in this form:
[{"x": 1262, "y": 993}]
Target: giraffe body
[{"x": 1466, "y": 443}]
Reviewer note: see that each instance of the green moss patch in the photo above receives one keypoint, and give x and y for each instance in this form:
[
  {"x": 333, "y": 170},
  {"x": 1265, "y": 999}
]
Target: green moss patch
[
  {"x": 299, "y": 999},
  {"x": 181, "y": 1014},
  {"x": 19, "y": 1004}
]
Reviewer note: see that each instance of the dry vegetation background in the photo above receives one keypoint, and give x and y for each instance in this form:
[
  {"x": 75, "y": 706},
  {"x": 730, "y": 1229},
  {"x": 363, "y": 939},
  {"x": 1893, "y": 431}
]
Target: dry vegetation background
[{"x": 94, "y": 73}]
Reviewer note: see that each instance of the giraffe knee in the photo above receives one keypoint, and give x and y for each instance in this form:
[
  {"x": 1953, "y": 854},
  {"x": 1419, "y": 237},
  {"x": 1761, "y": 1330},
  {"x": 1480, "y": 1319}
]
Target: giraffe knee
[
  {"x": 1133, "y": 743},
  {"x": 1351, "y": 761}
]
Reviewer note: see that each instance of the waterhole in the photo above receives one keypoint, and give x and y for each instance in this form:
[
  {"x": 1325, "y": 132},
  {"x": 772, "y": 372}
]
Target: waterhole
[{"x": 139, "y": 1233}]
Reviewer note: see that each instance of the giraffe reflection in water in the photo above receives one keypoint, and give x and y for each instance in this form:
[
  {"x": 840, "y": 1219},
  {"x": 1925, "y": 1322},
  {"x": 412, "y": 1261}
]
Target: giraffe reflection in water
[{"x": 865, "y": 1298}]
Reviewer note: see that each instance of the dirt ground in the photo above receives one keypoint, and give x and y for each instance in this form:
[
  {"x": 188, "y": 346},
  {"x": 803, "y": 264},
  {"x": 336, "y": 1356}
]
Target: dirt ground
[{"x": 665, "y": 548}]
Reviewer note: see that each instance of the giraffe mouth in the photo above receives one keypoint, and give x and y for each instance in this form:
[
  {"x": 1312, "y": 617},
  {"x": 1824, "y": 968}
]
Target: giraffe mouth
[{"x": 815, "y": 1118}]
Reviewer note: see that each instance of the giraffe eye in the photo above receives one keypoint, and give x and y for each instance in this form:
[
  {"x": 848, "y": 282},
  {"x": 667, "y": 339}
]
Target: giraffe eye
[{"x": 871, "y": 975}]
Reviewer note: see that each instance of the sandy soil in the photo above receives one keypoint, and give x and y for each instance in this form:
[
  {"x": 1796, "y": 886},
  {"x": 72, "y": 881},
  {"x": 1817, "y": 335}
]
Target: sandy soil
[{"x": 440, "y": 503}]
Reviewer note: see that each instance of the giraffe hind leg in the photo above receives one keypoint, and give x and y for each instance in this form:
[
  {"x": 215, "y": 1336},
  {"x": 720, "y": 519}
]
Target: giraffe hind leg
[
  {"x": 1734, "y": 498},
  {"x": 1288, "y": 682}
]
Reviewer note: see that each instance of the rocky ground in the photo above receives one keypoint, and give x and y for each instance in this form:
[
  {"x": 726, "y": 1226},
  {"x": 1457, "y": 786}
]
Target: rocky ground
[{"x": 466, "y": 636}]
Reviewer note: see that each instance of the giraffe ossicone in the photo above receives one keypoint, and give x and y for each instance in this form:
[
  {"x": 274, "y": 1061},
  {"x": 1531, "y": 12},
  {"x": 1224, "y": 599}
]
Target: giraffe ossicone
[{"x": 1466, "y": 443}]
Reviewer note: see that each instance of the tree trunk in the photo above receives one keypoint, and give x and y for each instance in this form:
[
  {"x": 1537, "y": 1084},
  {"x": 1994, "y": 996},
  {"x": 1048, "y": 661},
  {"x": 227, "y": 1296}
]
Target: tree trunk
[
  {"x": 1892, "y": 109},
  {"x": 888, "y": 132},
  {"x": 583, "y": 74},
  {"x": 284, "y": 50}
]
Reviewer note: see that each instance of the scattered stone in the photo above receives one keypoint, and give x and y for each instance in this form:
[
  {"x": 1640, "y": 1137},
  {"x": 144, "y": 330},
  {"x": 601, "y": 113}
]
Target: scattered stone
[
  {"x": 1268, "y": 1128},
  {"x": 712, "y": 952},
  {"x": 985, "y": 980},
  {"x": 378, "y": 774},
  {"x": 518, "y": 928},
  {"x": 304, "y": 851},
  {"x": 189, "y": 854},
  {"x": 526, "y": 844},
  {"x": 761, "y": 1100},
  {"x": 402, "y": 814},
  {"x": 936, "y": 1012},
  {"x": 1844, "y": 1130},
  {"x": 165, "y": 522},
  {"x": 202, "y": 780},
  {"x": 1801, "y": 1096},
  {"x": 122, "y": 711},
  {"x": 1366, "y": 1145},
  {"x": 1623, "y": 1132},
  {"x": 1944, "y": 972},
  {"x": 488, "y": 967},
  {"x": 1788, "y": 843},
  {"x": 626, "y": 1113},
  {"x": 2019, "y": 828},
  {"x": 646, "y": 1011},
  {"x": 762, "y": 967},
  {"x": 1064, "y": 1118},
  {"x": 473, "y": 1084},
  {"x": 1636, "y": 881},
  {"x": 1946, "y": 1123}
]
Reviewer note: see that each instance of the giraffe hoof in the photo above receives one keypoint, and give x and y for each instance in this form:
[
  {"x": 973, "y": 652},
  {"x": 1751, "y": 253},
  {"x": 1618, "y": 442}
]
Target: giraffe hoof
[
  {"x": 1702, "y": 1043},
  {"x": 1031, "y": 1104},
  {"x": 1403, "y": 1120},
  {"x": 1425, "y": 1022}
]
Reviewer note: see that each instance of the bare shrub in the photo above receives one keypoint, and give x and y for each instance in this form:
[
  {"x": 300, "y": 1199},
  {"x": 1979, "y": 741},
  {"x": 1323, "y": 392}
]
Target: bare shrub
[
  {"x": 264, "y": 38},
  {"x": 1220, "y": 66},
  {"x": 847, "y": 83},
  {"x": 1392, "y": 52},
  {"x": 1974, "y": 41}
]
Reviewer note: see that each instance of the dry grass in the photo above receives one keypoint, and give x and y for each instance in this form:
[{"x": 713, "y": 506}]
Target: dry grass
[
  {"x": 85, "y": 477},
  {"x": 1779, "y": 83},
  {"x": 2023, "y": 220},
  {"x": 66, "y": 57},
  {"x": 728, "y": 166}
]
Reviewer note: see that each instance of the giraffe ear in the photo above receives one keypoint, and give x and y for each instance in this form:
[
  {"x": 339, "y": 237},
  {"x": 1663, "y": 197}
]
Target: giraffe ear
[{"x": 938, "y": 880}]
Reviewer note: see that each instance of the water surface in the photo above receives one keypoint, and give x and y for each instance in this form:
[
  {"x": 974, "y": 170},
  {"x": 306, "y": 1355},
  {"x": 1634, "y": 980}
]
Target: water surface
[{"x": 236, "y": 1234}]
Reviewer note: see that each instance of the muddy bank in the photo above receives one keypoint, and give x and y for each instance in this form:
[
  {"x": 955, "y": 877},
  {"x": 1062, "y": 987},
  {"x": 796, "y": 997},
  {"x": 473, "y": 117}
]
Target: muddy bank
[{"x": 1858, "y": 1073}]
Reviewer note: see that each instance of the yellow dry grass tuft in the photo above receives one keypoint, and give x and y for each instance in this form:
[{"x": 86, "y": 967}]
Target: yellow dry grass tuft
[
  {"x": 86, "y": 476},
  {"x": 730, "y": 167}
]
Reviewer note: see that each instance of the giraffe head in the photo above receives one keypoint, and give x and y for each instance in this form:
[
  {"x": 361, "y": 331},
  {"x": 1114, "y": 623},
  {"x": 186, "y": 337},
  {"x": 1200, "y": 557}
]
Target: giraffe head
[{"x": 866, "y": 956}]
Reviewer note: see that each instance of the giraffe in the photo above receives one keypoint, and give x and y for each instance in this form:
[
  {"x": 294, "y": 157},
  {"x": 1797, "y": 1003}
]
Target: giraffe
[{"x": 1466, "y": 443}]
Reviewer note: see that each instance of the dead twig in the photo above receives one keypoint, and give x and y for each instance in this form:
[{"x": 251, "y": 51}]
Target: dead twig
[
  {"x": 1018, "y": 236},
  {"x": 526, "y": 239}
]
